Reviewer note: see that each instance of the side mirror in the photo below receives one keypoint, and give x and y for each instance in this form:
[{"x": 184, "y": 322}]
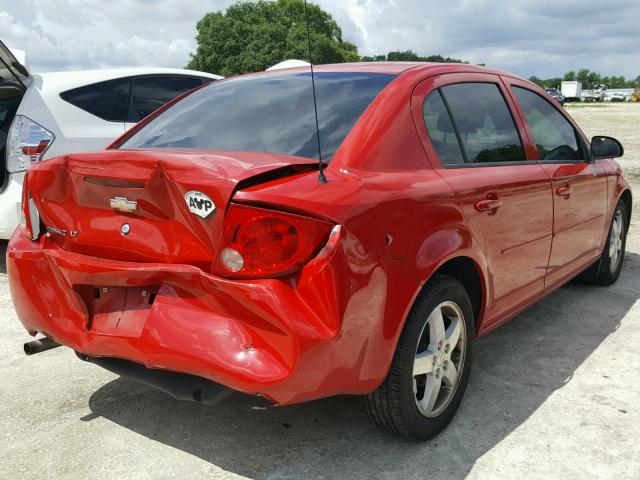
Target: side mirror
[{"x": 606, "y": 147}]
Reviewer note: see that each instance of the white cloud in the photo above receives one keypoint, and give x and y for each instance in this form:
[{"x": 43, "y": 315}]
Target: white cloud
[{"x": 546, "y": 37}]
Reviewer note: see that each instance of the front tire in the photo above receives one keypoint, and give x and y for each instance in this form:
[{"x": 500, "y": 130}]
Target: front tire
[
  {"x": 613, "y": 254},
  {"x": 430, "y": 369}
]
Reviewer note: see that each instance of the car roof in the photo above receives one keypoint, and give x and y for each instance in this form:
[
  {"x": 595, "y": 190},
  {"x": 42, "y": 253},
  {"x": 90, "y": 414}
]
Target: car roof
[
  {"x": 65, "y": 80},
  {"x": 396, "y": 68}
]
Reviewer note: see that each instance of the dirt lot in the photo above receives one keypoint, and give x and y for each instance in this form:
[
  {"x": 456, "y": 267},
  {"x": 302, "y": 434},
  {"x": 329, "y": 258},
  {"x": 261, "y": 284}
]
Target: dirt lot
[
  {"x": 619, "y": 120},
  {"x": 554, "y": 394}
]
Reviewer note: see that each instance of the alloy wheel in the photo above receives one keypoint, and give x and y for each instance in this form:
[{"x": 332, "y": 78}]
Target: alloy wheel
[
  {"x": 616, "y": 241},
  {"x": 439, "y": 359}
]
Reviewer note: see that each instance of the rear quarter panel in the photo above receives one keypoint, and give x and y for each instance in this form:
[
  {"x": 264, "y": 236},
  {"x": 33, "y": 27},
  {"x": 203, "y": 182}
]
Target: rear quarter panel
[
  {"x": 399, "y": 228},
  {"x": 402, "y": 222}
]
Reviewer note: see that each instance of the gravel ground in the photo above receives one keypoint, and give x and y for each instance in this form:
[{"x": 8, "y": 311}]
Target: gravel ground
[
  {"x": 554, "y": 394},
  {"x": 619, "y": 120}
]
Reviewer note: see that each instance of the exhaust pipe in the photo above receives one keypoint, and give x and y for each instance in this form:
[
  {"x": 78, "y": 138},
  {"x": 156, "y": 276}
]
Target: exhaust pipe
[{"x": 41, "y": 345}]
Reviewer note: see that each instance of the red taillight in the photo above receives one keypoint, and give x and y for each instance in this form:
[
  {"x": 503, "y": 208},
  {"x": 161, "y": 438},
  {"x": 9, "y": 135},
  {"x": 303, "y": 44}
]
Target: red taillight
[
  {"x": 35, "y": 151},
  {"x": 29, "y": 216},
  {"x": 258, "y": 243}
]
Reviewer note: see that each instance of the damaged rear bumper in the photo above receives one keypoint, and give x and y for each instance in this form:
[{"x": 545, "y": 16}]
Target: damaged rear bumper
[
  {"x": 274, "y": 338},
  {"x": 180, "y": 386}
]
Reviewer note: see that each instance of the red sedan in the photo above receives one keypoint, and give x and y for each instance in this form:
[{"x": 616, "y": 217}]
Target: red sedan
[{"x": 204, "y": 252}]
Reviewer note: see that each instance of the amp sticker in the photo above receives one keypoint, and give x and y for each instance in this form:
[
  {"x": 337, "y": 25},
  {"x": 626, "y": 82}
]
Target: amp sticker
[{"x": 199, "y": 203}]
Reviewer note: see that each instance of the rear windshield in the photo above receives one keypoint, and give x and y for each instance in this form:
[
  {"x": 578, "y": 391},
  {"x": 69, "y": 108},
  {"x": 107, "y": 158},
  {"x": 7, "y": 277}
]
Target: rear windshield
[{"x": 265, "y": 113}]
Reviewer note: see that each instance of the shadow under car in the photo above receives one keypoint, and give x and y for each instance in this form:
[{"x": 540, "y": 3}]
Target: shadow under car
[{"x": 516, "y": 368}]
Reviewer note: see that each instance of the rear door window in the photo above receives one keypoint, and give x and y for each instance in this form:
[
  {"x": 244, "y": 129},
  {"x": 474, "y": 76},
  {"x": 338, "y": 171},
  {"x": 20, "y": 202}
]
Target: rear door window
[
  {"x": 151, "y": 92},
  {"x": 107, "y": 100},
  {"x": 483, "y": 123},
  {"x": 555, "y": 137},
  {"x": 441, "y": 131}
]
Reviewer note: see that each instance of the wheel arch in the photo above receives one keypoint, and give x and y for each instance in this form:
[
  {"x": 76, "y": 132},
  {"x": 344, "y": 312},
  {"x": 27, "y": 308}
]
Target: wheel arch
[
  {"x": 627, "y": 198},
  {"x": 468, "y": 272},
  {"x": 454, "y": 251},
  {"x": 468, "y": 267}
]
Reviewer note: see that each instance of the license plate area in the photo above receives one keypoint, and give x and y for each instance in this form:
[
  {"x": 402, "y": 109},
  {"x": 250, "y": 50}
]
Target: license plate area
[{"x": 117, "y": 311}]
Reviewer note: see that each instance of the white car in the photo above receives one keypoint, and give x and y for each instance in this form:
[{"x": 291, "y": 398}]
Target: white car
[
  {"x": 49, "y": 114},
  {"x": 292, "y": 63},
  {"x": 617, "y": 97}
]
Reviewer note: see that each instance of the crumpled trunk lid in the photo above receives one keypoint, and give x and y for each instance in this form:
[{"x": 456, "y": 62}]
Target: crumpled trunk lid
[{"x": 163, "y": 206}]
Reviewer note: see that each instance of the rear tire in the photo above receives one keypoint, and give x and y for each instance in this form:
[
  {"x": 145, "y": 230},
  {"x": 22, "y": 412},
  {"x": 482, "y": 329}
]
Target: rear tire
[{"x": 430, "y": 369}]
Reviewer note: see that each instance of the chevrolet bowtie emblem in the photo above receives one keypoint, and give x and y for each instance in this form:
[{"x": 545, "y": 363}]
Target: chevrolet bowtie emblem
[{"x": 123, "y": 204}]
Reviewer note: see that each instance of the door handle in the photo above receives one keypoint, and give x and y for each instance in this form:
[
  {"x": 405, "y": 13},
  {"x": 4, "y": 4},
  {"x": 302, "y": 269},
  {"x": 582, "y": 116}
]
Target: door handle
[
  {"x": 564, "y": 191},
  {"x": 488, "y": 205}
]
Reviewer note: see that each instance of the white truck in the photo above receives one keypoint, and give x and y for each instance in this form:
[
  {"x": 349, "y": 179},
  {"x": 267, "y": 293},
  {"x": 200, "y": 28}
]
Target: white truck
[
  {"x": 571, "y": 90},
  {"x": 595, "y": 95}
]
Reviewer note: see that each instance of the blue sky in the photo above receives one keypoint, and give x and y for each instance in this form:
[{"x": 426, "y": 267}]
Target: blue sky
[{"x": 543, "y": 38}]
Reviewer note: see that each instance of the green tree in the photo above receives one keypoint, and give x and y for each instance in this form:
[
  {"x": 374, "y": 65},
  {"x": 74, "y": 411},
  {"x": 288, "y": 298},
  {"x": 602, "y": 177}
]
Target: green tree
[
  {"x": 553, "y": 82},
  {"x": 615, "y": 82},
  {"x": 375, "y": 58},
  {"x": 441, "y": 59},
  {"x": 589, "y": 80},
  {"x": 537, "y": 81},
  {"x": 594, "y": 80},
  {"x": 583, "y": 76},
  {"x": 252, "y": 36},
  {"x": 410, "y": 56},
  {"x": 406, "y": 56}
]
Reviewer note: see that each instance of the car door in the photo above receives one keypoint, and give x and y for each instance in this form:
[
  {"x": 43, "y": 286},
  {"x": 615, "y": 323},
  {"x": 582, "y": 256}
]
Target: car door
[
  {"x": 579, "y": 185},
  {"x": 506, "y": 199},
  {"x": 150, "y": 92}
]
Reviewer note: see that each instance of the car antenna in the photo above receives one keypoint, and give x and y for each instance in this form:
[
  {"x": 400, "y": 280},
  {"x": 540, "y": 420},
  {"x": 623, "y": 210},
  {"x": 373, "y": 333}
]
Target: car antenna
[{"x": 321, "y": 177}]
